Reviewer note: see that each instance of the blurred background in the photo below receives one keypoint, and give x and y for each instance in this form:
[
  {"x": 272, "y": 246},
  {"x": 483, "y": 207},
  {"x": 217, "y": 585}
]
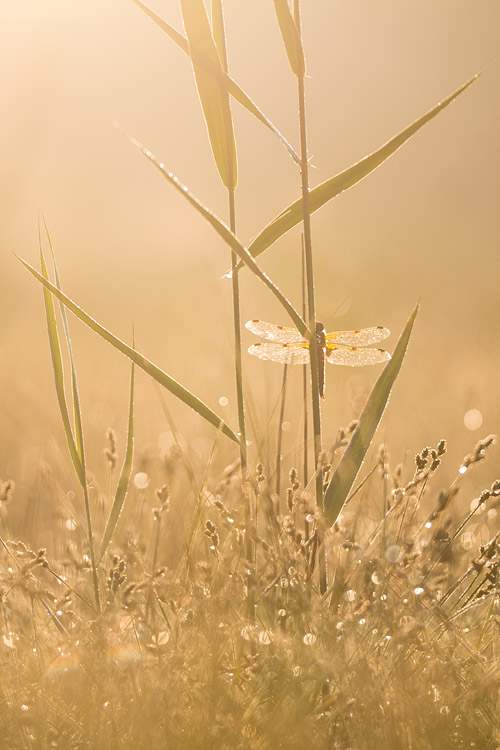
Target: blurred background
[{"x": 425, "y": 226}]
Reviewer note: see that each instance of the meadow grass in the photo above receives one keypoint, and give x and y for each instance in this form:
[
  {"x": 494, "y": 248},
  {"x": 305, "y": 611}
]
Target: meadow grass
[{"x": 174, "y": 606}]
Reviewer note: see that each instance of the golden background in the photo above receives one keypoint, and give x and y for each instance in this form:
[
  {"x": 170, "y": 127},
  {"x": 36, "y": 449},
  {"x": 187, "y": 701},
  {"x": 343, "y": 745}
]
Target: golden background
[{"x": 424, "y": 226}]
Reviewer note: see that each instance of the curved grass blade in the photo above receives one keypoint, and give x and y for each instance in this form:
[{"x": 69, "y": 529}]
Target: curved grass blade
[
  {"x": 77, "y": 413},
  {"x": 350, "y": 463},
  {"x": 145, "y": 364},
  {"x": 223, "y": 230},
  {"x": 76, "y": 446},
  {"x": 231, "y": 85},
  {"x": 212, "y": 90},
  {"x": 57, "y": 364},
  {"x": 321, "y": 194},
  {"x": 123, "y": 481},
  {"x": 218, "y": 32},
  {"x": 291, "y": 38}
]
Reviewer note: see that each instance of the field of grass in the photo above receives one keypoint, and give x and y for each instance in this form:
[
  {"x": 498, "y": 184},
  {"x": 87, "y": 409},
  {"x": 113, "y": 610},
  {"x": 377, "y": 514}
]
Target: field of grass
[{"x": 212, "y": 555}]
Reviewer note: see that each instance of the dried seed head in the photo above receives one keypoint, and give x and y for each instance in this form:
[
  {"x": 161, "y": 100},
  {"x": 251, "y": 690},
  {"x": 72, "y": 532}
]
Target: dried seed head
[
  {"x": 441, "y": 449},
  {"x": 110, "y": 451},
  {"x": 6, "y": 491},
  {"x": 485, "y": 494}
]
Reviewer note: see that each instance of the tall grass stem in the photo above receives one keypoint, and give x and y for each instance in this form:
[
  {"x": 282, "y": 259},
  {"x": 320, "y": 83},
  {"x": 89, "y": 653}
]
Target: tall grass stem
[{"x": 311, "y": 300}]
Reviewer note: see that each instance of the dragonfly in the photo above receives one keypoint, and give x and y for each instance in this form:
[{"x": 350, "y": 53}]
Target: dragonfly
[{"x": 288, "y": 346}]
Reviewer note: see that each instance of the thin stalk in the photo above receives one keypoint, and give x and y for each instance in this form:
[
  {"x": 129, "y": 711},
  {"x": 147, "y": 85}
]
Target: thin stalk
[
  {"x": 237, "y": 339},
  {"x": 311, "y": 303},
  {"x": 91, "y": 541},
  {"x": 304, "y": 373},
  {"x": 280, "y": 431},
  {"x": 222, "y": 49}
]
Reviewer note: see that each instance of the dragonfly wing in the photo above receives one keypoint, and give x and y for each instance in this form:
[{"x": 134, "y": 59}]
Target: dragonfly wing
[
  {"x": 274, "y": 332},
  {"x": 284, "y": 353},
  {"x": 361, "y": 337},
  {"x": 354, "y": 357}
]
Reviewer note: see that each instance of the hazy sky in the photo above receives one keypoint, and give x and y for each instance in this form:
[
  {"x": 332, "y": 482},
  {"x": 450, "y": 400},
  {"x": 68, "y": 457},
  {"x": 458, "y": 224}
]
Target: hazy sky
[{"x": 425, "y": 225}]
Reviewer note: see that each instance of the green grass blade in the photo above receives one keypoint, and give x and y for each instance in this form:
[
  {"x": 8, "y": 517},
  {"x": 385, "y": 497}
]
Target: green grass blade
[
  {"x": 57, "y": 364},
  {"x": 214, "y": 96},
  {"x": 145, "y": 364},
  {"x": 332, "y": 187},
  {"x": 223, "y": 230},
  {"x": 218, "y": 32},
  {"x": 74, "y": 383},
  {"x": 291, "y": 38},
  {"x": 231, "y": 85},
  {"x": 350, "y": 463},
  {"x": 123, "y": 481},
  {"x": 75, "y": 446}
]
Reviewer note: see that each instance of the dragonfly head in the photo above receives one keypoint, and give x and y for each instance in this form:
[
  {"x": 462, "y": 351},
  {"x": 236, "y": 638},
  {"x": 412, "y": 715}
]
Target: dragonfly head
[{"x": 320, "y": 333}]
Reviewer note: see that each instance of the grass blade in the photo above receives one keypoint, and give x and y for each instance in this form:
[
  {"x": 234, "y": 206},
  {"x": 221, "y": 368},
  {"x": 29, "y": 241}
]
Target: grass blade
[
  {"x": 145, "y": 364},
  {"x": 212, "y": 90},
  {"x": 231, "y": 85},
  {"x": 55, "y": 352},
  {"x": 74, "y": 383},
  {"x": 322, "y": 194},
  {"x": 76, "y": 446},
  {"x": 224, "y": 232},
  {"x": 123, "y": 481},
  {"x": 218, "y": 32},
  {"x": 350, "y": 463},
  {"x": 291, "y": 38}
]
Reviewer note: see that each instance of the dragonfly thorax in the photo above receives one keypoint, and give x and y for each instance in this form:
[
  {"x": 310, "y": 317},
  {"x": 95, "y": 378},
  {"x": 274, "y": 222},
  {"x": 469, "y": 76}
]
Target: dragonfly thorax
[{"x": 320, "y": 336}]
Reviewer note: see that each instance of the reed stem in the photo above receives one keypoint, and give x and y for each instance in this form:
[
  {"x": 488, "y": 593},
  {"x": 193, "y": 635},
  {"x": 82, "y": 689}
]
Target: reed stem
[
  {"x": 237, "y": 340},
  {"x": 311, "y": 303}
]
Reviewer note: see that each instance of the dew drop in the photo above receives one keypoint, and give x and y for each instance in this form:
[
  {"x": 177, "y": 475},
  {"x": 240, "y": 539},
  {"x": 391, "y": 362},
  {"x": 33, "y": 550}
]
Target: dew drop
[
  {"x": 309, "y": 639},
  {"x": 247, "y": 633},
  {"x": 467, "y": 540},
  {"x": 394, "y": 553},
  {"x": 141, "y": 480},
  {"x": 265, "y": 637}
]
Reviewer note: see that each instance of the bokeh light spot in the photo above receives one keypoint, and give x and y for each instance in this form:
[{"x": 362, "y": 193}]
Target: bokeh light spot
[{"x": 473, "y": 419}]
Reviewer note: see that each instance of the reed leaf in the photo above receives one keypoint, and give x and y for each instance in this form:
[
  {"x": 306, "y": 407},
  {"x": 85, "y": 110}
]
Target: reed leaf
[
  {"x": 323, "y": 193},
  {"x": 77, "y": 413},
  {"x": 291, "y": 38},
  {"x": 231, "y": 85},
  {"x": 218, "y": 32},
  {"x": 75, "y": 445},
  {"x": 212, "y": 90},
  {"x": 223, "y": 230},
  {"x": 122, "y": 487},
  {"x": 57, "y": 364},
  {"x": 345, "y": 474},
  {"x": 145, "y": 364}
]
